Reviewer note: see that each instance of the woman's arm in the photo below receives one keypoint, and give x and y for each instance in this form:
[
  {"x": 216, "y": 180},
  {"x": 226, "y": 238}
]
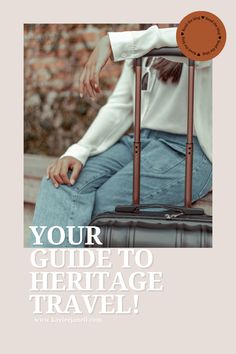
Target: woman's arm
[
  {"x": 120, "y": 46},
  {"x": 127, "y": 45},
  {"x": 112, "y": 121},
  {"x": 134, "y": 44},
  {"x": 89, "y": 80}
]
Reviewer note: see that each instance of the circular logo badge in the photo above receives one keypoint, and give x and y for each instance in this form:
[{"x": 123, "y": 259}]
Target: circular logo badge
[{"x": 201, "y": 35}]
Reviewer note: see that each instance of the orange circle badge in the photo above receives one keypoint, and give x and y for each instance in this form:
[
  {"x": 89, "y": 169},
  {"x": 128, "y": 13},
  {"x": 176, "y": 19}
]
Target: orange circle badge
[{"x": 201, "y": 35}]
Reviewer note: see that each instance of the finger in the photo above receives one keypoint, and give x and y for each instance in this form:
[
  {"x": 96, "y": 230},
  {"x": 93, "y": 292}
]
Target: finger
[
  {"x": 75, "y": 173},
  {"x": 88, "y": 84},
  {"x": 81, "y": 83},
  {"x": 96, "y": 80},
  {"x": 57, "y": 172},
  {"x": 93, "y": 81},
  {"x": 51, "y": 175},
  {"x": 48, "y": 170},
  {"x": 63, "y": 173}
]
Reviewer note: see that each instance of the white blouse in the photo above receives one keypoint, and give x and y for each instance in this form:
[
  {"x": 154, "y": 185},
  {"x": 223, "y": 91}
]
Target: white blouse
[{"x": 164, "y": 105}]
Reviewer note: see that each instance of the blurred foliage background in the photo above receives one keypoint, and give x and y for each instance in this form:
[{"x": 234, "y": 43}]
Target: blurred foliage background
[{"x": 54, "y": 57}]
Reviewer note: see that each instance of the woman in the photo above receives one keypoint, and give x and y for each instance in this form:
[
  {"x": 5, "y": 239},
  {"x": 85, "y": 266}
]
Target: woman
[{"x": 95, "y": 174}]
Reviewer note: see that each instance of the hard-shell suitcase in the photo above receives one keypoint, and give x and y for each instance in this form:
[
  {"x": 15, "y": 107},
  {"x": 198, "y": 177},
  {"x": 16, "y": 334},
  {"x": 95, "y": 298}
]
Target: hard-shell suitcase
[{"x": 132, "y": 225}]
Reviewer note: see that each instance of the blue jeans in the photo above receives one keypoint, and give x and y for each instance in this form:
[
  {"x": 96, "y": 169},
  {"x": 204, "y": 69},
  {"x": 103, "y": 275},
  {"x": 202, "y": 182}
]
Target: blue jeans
[{"x": 106, "y": 180}]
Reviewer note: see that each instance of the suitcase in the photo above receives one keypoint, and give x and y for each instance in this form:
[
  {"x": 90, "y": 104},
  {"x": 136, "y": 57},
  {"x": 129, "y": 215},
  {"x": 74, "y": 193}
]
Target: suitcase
[{"x": 135, "y": 226}]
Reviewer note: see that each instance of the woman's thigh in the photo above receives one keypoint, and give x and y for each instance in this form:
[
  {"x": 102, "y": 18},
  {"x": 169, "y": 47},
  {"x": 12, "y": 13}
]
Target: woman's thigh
[
  {"x": 163, "y": 171},
  {"x": 162, "y": 177},
  {"x": 97, "y": 170},
  {"x": 73, "y": 205},
  {"x": 100, "y": 168}
]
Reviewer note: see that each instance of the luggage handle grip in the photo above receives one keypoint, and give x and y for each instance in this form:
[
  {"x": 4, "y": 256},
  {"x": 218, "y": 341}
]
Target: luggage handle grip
[
  {"x": 164, "y": 51},
  {"x": 136, "y": 208}
]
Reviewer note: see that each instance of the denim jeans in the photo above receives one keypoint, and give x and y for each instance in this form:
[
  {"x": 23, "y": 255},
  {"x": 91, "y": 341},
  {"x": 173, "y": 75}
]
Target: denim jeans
[{"x": 106, "y": 181}]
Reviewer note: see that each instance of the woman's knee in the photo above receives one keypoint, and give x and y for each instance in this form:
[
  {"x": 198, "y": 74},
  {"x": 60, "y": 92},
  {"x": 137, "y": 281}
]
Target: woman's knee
[
  {"x": 49, "y": 194},
  {"x": 46, "y": 185},
  {"x": 47, "y": 189}
]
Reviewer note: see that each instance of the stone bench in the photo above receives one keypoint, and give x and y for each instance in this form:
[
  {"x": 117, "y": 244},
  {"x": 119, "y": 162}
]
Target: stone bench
[{"x": 34, "y": 169}]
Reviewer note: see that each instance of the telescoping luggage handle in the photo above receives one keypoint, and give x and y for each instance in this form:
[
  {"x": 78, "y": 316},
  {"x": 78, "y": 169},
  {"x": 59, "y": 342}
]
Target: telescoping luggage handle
[{"x": 189, "y": 144}]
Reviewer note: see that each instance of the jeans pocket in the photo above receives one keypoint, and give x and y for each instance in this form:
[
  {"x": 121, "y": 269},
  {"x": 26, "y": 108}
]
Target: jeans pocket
[{"x": 162, "y": 156}]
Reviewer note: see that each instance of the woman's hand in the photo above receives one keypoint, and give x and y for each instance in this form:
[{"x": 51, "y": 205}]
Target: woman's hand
[
  {"x": 58, "y": 171},
  {"x": 89, "y": 80}
]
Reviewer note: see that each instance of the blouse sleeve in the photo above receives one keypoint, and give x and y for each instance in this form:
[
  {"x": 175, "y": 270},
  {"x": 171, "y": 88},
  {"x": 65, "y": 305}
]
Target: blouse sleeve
[
  {"x": 134, "y": 44},
  {"x": 112, "y": 121}
]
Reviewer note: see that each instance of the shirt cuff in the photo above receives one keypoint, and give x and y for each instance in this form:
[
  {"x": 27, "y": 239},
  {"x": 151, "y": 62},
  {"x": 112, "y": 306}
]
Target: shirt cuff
[
  {"x": 132, "y": 44},
  {"x": 122, "y": 45},
  {"x": 78, "y": 152}
]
